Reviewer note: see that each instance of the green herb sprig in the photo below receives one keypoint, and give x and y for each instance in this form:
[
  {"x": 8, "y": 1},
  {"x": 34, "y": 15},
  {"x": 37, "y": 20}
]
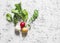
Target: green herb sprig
[{"x": 34, "y": 17}]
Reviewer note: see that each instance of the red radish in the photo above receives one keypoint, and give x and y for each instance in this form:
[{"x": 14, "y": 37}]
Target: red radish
[{"x": 22, "y": 24}]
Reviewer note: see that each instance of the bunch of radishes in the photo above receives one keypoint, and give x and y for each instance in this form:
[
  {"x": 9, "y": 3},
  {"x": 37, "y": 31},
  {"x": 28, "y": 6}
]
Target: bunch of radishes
[
  {"x": 21, "y": 27},
  {"x": 21, "y": 14}
]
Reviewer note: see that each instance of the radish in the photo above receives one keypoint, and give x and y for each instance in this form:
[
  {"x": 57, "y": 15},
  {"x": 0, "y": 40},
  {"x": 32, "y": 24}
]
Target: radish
[
  {"x": 17, "y": 27},
  {"x": 22, "y": 24},
  {"x": 24, "y": 30}
]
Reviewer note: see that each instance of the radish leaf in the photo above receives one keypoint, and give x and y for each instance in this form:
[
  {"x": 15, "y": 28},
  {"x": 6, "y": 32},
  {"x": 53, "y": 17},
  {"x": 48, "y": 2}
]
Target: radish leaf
[{"x": 9, "y": 17}]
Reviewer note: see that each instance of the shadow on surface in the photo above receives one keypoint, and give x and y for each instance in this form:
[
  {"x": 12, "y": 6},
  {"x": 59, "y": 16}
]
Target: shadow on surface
[
  {"x": 17, "y": 32},
  {"x": 24, "y": 34}
]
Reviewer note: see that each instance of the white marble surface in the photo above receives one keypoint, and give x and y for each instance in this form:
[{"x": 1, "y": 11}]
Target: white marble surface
[{"x": 46, "y": 28}]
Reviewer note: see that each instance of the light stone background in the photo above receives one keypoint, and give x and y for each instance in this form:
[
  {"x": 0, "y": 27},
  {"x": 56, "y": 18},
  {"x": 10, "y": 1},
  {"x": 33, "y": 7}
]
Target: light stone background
[{"x": 45, "y": 29}]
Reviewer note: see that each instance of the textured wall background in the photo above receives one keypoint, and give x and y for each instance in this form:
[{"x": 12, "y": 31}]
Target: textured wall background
[{"x": 46, "y": 28}]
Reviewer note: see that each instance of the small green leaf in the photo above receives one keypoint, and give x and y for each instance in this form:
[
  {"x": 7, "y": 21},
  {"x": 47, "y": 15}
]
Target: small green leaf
[
  {"x": 34, "y": 17},
  {"x": 14, "y": 11},
  {"x": 18, "y": 7},
  {"x": 9, "y": 17},
  {"x": 24, "y": 15},
  {"x": 16, "y": 14},
  {"x": 15, "y": 20}
]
